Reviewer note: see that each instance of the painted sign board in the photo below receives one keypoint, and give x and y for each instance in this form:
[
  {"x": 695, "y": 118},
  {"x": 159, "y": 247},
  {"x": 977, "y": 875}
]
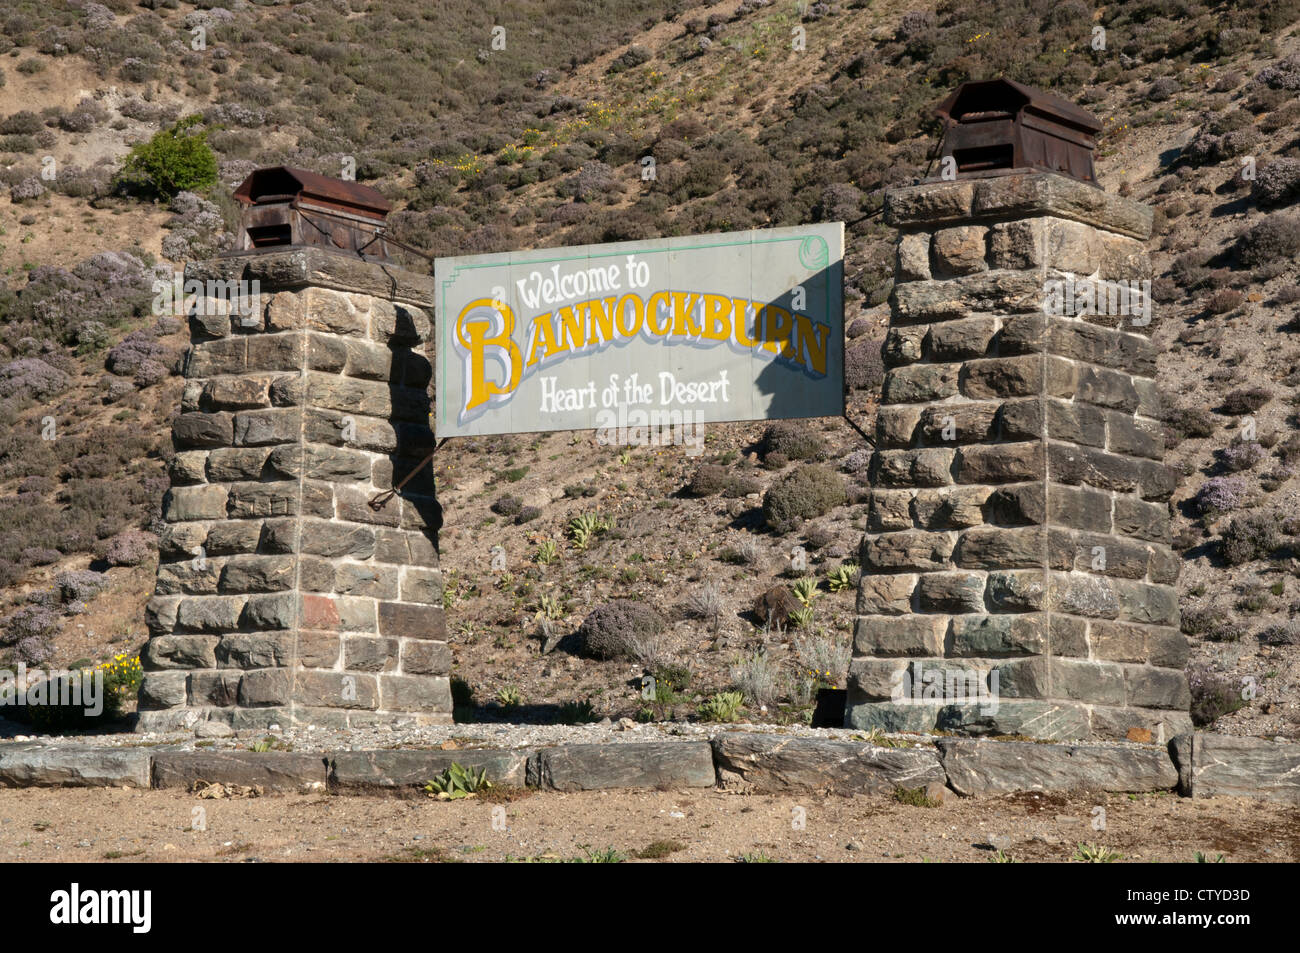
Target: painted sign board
[{"x": 713, "y": 328}]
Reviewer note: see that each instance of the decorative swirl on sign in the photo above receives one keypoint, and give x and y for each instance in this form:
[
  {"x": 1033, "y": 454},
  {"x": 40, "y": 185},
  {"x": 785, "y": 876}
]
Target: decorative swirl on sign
[{"x": 813, "y": 253}]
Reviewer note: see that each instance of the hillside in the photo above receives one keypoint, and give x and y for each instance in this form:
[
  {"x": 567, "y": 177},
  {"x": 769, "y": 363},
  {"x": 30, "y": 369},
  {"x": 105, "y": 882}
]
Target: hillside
[{"x": 756, "y": 114}]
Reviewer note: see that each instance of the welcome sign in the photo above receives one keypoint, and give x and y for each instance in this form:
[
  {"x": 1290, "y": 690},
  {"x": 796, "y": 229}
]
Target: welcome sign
[{"x": 706, "y": 328}]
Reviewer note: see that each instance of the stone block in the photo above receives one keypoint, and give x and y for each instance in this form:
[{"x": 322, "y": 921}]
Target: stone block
[
  {"x": 913, "y": 257},
  {"x": 908, "y": 635},
  {"x": 415, "y": 693},
  {"x": 778, "y": 764},
  {"x": 982, "y": 768},
  {"x": 920, "y": 383},
  {"x": 663, "y": 765},
  {"x": 408, "y": 620},
  {"x": 885, "y": 594},
  {"x": 949, "y": 508},
  {"x": 926, "y": 467},
  {"x": 998, "y": 548},
  {"x": 425, "y": 657},
  {"x": 1001, "y": 463},
  {"x": 951, "y": 592},
  {"x": 909, "y": 550},
  {"x": 194, "y": 503},
  {"x": 178, "y": 652},
  {"x": 958, "y": 250}
]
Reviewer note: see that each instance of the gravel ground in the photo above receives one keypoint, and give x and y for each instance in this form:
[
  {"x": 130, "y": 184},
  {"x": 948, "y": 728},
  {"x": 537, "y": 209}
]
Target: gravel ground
[
  {"x": 131, "y": 825},
  {"x": 480, "y": 735}
]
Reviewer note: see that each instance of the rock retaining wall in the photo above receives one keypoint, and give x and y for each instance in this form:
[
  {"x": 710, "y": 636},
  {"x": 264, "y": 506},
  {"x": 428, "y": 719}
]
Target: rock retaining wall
[{"x": 1197, "y": 765}]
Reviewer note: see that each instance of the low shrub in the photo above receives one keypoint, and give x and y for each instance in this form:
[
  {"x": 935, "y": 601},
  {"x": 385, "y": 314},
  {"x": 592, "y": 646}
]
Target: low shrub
[
  {"x": 615, "y": 629},
  {"x": 1250, "y": 537},
  {"x": 1277, "y": 182},
  {"x": 809, "y": 491},
  {"x": 707, "y": 480},
  {"x": 507, "y": 506},
  {"x": 1214, "y": 694},
  {"x": 864, "y": 369},
  {"x": 1241, "y": 455},
  {"x": 130, "y": 548},
  {"x": 1246, "y": 400},
  {"x": 793, "y": 439},
  {"x": 1276, "y": 238},
  {"x": 1221, "y": 494}
]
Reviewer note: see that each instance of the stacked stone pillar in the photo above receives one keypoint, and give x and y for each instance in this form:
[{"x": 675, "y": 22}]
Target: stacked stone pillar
[
  {"x": 282, "y": 597},
  {"x": 1018, "y": 534}
]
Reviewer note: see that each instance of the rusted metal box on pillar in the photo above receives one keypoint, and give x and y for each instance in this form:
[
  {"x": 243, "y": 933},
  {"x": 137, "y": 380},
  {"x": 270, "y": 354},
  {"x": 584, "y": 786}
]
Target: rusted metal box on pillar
[
  {"x": 285, "y": 206},
  {"x": 998, "y": 126}
]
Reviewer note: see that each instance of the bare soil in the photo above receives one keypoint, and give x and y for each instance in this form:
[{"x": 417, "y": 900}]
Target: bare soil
[{"x": 129, "y": 825}]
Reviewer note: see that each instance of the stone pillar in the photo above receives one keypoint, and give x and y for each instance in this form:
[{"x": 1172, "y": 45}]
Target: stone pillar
[
  {"x": 281, "y": 596},
  {"x": 1018, "y": 533}
]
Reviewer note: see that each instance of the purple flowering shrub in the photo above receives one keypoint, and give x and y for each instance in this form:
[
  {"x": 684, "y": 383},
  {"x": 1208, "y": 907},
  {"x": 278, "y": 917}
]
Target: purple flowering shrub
[
  {"x": 130, "y": 355},
  {"x": 80, "y": 584},
  {"x": 30, "y": 378},
  {"x": 1221, "y": 494},
  {"x": 130, "y": 548},
  {"x": 109, "y": 288},
  {"x": 30, "y": 621},
  {"x": 1241, "y": 455}
]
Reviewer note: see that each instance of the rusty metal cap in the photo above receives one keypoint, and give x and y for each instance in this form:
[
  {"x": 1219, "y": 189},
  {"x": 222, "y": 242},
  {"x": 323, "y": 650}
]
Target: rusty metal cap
[
  {"x": 1007, "y": 96},
  {"x": 284, "y": 184}
]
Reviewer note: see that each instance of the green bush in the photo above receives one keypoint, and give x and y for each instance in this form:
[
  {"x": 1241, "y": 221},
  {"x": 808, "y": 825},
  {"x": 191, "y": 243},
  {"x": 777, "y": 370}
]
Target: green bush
[
  {"x": 174, "y": 160},
  {"x": 811, "y": 490}
]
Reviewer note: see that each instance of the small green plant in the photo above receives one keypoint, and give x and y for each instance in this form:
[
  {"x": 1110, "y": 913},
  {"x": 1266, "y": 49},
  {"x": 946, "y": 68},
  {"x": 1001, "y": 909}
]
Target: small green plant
[
  {"x": 914, "y": 797},
  {"x": 584, "y": 527},
  {"x": 841, "y": 578},
  {"x": 878, "y": 738},
  {"x": 724, "y": 707},
  {"x": 805, "y": 590},
  {"x": 551, "y": 607},
  {"x": 802, "y": 618},
  {"x": 1002, "y": 857},
  {"x": 756, "y": 857},
  {"x": 607, "y": 856},
  {"x": 1096, "y": 854},
  {"x": 1205, "y": 858},
  {"x": 458, "y": 782},
  {"x": 547, "y": 552},
  {"x": 657, "y": 850},
  {"x": 509, "y": 697},
  {"x": 576, "y": 713}
]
